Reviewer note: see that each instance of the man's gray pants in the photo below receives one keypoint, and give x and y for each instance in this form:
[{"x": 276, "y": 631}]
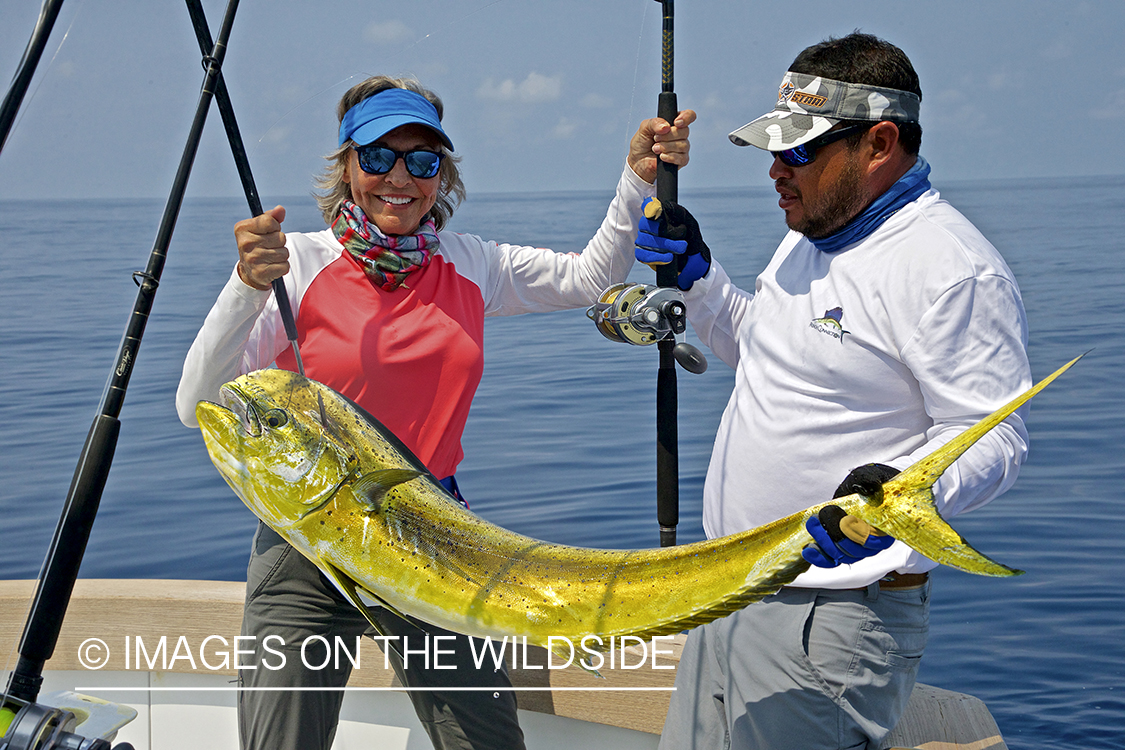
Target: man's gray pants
[
  {"x": 805, "y": 668},
  {"x": 288, "y": 597}
]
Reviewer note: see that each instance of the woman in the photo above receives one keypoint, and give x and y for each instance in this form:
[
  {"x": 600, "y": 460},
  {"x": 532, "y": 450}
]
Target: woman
[{"x": 389, "y": 310}]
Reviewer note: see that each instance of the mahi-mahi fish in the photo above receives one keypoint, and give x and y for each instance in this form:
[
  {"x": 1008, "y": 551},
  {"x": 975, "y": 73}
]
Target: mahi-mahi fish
[{"x": 348, "y": 495}]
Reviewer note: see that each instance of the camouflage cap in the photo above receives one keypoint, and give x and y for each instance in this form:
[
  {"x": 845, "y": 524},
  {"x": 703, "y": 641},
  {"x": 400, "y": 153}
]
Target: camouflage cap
[{"x": 809, "y": 105}]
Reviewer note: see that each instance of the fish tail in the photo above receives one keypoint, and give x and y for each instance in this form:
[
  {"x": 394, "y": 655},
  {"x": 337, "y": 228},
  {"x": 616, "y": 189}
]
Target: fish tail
[
  {"x": 911, "y": 516},
  {"x": 908, "y": 512}
]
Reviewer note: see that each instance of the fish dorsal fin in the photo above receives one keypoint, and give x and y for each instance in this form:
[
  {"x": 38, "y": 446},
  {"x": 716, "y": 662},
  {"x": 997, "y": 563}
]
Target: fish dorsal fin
[{"x": 372, "y": 487}]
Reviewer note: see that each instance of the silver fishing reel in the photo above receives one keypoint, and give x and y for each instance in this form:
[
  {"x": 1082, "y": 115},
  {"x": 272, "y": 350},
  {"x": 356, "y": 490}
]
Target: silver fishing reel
[
  {"x": 639, "y": 314},
  {"x": 643, "y": 314}
]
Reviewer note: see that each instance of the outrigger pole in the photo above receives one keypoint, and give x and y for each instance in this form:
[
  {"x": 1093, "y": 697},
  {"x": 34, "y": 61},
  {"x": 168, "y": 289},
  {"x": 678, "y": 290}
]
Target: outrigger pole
[
  {"x": 667, "y": 440},
  {"x": 60, "y": 570},
  {"x": 222, "y": 99},
  {"x": 22, "y": 79}
]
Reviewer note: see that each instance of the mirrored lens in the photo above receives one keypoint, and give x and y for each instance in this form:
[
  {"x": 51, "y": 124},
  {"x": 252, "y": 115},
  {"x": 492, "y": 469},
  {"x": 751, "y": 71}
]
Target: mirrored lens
[
  {"x": 798, "y": 156},
  {"x": 376, "y": 159},
  {"x": 422, "y": 163},
  {"x": 380, "y": 160}
]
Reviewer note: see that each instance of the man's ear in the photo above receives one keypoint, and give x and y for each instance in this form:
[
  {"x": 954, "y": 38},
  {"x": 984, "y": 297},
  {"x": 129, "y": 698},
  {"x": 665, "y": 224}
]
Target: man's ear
[{"x": 881, "y": 144}]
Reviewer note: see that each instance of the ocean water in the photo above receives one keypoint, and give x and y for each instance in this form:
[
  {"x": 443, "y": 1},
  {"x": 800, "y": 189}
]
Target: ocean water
[{"x": 560, "y": 442}]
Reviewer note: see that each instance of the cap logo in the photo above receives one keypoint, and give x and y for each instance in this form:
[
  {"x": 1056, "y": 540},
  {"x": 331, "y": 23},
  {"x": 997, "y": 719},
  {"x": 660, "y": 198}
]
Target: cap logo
[
  {"x": 808, "y": 100},
  {"x": 784, "y": 92}
]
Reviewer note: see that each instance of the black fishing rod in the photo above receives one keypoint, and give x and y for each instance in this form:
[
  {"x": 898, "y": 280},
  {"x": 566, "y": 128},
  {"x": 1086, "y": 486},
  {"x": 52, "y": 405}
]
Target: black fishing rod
[
  {"x": 60, "y": 570},
  {"x": 641, "y": 314},
  {"x": 26, "y": 70},
  {"x": 667, "y": 439},
  {"x": 242, "y": 162}
]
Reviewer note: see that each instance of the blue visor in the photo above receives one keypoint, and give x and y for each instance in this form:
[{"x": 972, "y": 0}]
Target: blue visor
[{"x": 378, "y": 115}]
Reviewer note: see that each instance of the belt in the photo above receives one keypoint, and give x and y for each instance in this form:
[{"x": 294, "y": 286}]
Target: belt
[{"x": 895, "y": 580}]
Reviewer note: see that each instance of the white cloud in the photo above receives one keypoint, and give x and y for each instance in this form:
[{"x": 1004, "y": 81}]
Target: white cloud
[
  {"x": 387, "y": 33},
  {"x": 535, "y": 88},
  {"x": 564, "y": 129},
  {"x": 596, "y": 101}
]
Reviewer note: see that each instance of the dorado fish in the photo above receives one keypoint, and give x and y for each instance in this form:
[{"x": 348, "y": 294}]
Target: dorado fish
[{"x": 348, "y": 495}]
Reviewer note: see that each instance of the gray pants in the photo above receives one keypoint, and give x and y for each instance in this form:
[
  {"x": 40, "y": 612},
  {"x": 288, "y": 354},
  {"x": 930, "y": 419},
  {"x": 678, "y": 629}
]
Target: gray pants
[
  {"x": 286, "y": 596},
  {"x": 805, "y": 668}
]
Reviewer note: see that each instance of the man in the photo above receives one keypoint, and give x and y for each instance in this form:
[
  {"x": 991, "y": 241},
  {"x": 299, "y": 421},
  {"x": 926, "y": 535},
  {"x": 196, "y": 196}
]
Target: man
[{"x": 884, "y": 324}]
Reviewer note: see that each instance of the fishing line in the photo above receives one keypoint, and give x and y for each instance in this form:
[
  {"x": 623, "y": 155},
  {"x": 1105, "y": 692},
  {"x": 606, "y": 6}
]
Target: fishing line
[
  {"x": 27, "y": 103},
  {"x": 632, "y": 102}
]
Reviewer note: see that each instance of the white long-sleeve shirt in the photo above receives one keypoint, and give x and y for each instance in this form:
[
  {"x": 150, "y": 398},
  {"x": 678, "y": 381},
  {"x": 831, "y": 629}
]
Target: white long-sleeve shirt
[
  {"x": 880, "y": 353},
  {"x": 413, "y": 357}
]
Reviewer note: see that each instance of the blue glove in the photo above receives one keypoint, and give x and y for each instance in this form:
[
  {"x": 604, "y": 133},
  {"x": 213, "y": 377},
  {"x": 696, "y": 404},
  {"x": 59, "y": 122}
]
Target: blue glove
[
  {"x": 832, "y": 547},
  {"x": 670, "y": 233}
]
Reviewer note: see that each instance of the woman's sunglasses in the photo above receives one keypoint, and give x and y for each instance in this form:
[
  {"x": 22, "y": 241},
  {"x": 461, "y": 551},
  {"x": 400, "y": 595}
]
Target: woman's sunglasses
[
  {"x": 799, "y": 156},
  {"x": 380, "y": 160}
]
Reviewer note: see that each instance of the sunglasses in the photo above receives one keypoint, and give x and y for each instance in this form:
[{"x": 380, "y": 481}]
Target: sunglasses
[
  {"x": 380, "y": 160},
  {"x": 799, "y": 156}
]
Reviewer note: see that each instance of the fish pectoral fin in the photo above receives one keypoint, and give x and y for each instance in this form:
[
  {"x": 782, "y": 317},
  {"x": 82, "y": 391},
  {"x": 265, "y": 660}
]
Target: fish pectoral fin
[
  {"x": 373, "y": 486},
  {"x": 350, "y": 591},
  {"x": 379, "y": 602}
]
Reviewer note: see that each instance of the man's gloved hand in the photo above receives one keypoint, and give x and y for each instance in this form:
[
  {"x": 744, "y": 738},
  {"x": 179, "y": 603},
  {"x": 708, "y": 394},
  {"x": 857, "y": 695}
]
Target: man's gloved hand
[
  {"x": 832, "y": 545},
  {"x": 668, "y": 232}
]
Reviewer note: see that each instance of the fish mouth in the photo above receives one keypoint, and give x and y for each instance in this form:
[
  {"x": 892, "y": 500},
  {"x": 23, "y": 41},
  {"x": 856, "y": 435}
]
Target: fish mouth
[
  {"x": 241, "y": 405},
  {"x": 234, "y": 407}
]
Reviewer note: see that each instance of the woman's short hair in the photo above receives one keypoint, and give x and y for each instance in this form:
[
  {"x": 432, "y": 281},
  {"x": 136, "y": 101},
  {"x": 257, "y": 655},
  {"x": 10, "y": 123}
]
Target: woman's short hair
[{"x": 334, "y": 191}]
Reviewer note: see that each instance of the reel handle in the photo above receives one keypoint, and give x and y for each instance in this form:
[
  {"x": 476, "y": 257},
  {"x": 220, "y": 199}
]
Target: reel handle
[{"x": 689, "y": 358}]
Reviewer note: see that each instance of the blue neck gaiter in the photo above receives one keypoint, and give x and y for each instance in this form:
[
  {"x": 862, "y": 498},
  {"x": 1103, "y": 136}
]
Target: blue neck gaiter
[{"x": 909, "y": 186}]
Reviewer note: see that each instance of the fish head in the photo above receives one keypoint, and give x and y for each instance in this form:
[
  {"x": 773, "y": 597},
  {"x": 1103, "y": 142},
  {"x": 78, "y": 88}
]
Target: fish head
[{"x": 272, "y": 444}]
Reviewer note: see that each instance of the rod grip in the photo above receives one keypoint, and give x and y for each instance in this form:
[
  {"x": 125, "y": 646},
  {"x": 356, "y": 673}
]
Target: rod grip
[{"x": 667, "y": 182}]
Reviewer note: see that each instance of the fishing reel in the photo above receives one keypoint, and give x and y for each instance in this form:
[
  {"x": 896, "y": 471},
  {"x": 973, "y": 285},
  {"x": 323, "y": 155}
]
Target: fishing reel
[
  {"x": 37, "y": 726},
  {"x": 643, "y": 314}
]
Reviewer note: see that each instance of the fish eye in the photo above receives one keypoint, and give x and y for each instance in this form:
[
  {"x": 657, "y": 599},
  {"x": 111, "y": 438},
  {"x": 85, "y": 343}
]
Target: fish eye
[{"x": 275, "y": 418}]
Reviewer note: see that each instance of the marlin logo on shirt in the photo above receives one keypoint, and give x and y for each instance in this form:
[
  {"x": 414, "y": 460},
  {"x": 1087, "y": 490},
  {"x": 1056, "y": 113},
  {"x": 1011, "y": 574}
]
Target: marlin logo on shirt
[{"x": 830, "y": 323}]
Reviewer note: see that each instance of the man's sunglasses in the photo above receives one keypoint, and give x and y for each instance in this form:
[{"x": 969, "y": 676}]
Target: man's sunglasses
[
  {"x": 380, "y": 160},
  {"x": 799, "y": 156}
]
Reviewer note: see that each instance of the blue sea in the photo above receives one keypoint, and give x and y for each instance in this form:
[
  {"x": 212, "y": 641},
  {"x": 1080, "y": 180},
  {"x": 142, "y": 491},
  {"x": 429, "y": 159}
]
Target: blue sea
[{"x": 560, "y": 441}]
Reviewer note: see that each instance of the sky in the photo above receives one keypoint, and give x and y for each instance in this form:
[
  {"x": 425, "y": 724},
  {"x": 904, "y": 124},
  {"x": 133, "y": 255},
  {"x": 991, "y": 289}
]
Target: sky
[{"x": 542, "y": 96}]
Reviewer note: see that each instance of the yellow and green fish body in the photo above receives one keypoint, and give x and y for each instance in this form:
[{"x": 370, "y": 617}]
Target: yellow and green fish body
[{"x": 350, "y": 497}]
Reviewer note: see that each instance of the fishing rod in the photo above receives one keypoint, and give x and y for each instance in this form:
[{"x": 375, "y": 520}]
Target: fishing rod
[
  {"x": 60, "y": 570},
  {"x": 48, "y": 13},
  {"x": 242, "y": 162},
  {"x": 667, "y": 404},
  {"x": 642, "y": 314}
]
